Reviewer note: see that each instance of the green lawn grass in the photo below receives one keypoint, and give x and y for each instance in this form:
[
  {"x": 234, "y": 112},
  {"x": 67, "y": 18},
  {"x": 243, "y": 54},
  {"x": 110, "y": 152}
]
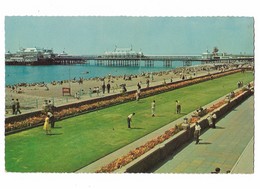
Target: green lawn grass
[{"x": 78, "y": 141}]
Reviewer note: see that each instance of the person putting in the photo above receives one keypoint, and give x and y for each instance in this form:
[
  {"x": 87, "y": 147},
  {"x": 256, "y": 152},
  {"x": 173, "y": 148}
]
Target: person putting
[{"x": 129, "y": 119}]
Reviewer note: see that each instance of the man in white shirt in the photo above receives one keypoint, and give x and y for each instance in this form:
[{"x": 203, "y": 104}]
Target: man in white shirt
[
  {"x": 129, "y": 119},
  {"x": 153, "y": 108},
  {"x": 178, "y": 107},
  {"x": 197, "y": 132},
  {"x": 212, "y": 120}
]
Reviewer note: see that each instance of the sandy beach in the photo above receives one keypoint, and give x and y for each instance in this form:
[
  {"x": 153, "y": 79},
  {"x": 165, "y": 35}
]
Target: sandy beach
[{"x": 32, "y": 97}]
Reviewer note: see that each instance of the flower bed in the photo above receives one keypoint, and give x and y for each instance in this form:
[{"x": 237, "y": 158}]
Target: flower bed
[
  {"x": 105, "y": 102},
  {"x": 122, "y": 161}
]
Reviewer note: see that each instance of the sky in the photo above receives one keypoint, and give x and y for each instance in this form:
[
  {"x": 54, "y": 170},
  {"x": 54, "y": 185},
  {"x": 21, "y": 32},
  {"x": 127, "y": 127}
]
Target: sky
[{"x": 90, "y": 35}]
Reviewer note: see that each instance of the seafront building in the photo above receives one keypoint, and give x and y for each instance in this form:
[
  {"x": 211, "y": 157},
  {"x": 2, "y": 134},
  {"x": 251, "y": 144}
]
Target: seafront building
[
  {"x": 29, "y": 56},
  {"x": 41, "y": 56},
  {"x": 123, "y": 53}
]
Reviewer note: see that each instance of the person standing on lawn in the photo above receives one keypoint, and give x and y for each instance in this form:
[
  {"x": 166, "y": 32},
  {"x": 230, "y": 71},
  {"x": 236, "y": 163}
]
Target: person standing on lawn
[
  {"x": 46, "y": 125},
  {"x": 153, "y": 108},
  {"x": 51, "y": 119},
  {"x": 178, "y": 107},
  {"x": 129, "y": 119}
]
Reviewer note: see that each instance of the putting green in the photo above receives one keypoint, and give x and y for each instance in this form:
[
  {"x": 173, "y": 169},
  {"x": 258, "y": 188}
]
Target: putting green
[{"x": 78, "y": 141}]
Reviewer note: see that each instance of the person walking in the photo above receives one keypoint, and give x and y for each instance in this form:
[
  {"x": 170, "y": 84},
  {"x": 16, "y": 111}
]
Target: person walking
[
  {"x": 138, "y": 86},
  {"x": 13, "y": 106},
  {"x": 108, "y": 87},
  {"x": 186, "y": 126},
  {"x": 51, "y": 119},
  {"x": 17, "y": 107},
  {"x": 51, "y": 106},
  {"x": 197, "y": 132},
  {"x": 97, "y": 91},
  {"x": 212, "y": 120},
  {"x": 45, "y": 107},
  {"x": 90, "y": 92},
  {"x": 153, "y": 108},
  {"x": 214, "y": 117},
  {"x": 103, "y": 87},
  {"x": 46, "y": 125},
  {"x": 147, "y": 83},
  {"x": 151, "y": 76},
  {"x": 129, "y": 119}
]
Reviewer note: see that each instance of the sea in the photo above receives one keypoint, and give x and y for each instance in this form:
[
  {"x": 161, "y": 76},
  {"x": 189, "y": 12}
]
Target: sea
[{"x": 47, "y": 74}]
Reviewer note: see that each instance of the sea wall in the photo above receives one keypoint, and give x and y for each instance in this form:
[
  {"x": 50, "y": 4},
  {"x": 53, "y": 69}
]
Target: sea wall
[{"x": 160, "y": 152}]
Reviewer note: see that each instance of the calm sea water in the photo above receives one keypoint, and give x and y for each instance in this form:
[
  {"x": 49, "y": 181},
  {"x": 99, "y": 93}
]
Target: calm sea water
[{"x": 32, "y": 74}]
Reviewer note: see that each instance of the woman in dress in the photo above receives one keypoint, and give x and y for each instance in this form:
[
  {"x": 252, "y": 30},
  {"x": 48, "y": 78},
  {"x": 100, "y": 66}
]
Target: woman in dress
[{"x": 47, "y": 126}]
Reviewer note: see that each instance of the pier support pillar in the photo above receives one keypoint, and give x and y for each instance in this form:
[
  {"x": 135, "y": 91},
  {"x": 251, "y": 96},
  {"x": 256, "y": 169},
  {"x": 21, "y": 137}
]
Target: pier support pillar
[
  {"x": 149, "y": 63},
  {"x": 167, "y": 63}
]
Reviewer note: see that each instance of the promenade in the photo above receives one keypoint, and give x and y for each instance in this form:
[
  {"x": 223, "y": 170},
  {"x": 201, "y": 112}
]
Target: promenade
[{"x": 229, "y": 146}]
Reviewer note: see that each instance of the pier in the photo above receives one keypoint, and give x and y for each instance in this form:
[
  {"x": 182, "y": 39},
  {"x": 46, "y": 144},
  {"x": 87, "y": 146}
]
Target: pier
[
  {"x": 167, "y": 60},
  {"x": 66, "y": 60},
  {"x": 119, "y": 57}
]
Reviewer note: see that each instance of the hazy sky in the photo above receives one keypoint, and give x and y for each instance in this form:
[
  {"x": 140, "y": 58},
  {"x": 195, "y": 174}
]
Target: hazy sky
[{"x": 153, "y": 35}]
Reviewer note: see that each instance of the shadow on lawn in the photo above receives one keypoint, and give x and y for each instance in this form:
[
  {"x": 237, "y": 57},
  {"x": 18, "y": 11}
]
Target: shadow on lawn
[
  {"x": 204, "y": 143},
  {"x": 55, "y": 134},
  {"x": 136, "y": 128},
  {"x": 218, "y": 127},
  {"x": 56, "y": 127}
]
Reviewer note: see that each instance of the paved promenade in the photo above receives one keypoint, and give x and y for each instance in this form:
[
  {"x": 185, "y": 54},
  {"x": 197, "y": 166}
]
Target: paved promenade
[{"x": 229, "y": 146}]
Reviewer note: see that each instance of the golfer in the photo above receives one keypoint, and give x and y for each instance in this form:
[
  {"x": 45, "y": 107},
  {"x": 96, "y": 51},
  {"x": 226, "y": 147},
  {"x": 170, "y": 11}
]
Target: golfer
[
  {"x": 129, "y": 119},
  {"x": 178, "y": 107},
  {"x": 153, "y": 108}
]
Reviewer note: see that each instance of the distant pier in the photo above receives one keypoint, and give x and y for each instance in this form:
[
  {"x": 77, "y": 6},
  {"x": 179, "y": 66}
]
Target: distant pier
[
  {"x": 168, "y": 61},
  {"x": 119, "y": 57},
  {"x": 128, "y": 57}
]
